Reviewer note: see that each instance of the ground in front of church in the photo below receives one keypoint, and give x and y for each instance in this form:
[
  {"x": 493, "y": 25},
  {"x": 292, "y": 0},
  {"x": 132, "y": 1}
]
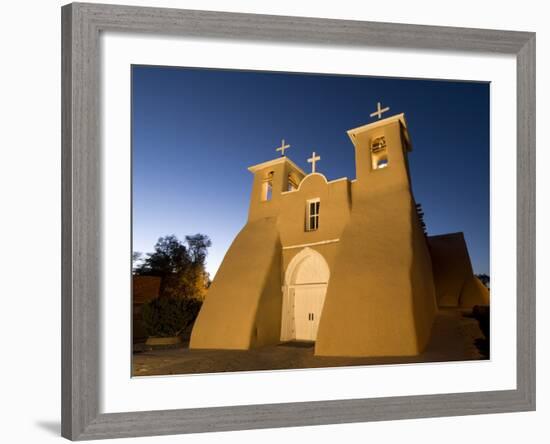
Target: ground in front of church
[{"x": 454, "y": 338}]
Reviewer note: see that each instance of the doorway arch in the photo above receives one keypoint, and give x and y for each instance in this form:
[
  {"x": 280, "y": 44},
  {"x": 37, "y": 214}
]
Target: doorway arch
[{"x": 305, "y": 286}]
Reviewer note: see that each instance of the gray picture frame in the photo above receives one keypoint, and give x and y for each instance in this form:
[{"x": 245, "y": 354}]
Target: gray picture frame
[{"x": 81, "y": 232}]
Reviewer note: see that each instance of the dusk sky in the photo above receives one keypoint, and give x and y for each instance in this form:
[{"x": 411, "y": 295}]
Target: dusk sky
[{"x": 195, "y": 132}]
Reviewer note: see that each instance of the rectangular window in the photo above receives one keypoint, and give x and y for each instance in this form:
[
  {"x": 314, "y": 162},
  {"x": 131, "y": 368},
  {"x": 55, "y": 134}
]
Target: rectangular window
[
  {"x": 267, "y": 187},
  {"x": 379, "y": 153},
  {"x": 268, "y": 190},
  {"x": 291, "y": 184},
  {"x": 312, "y": 214}
]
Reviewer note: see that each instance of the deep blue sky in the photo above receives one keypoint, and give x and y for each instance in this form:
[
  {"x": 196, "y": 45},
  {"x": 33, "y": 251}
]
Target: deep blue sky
[{"x": 196, "y": 131}]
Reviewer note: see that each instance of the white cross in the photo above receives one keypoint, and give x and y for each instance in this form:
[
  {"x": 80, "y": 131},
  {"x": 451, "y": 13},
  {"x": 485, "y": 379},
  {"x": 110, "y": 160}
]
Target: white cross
[
  {"x": 313, "y": 159},
  {"x": 379, "y": 111},
  {"x": 283, "y": 147}
]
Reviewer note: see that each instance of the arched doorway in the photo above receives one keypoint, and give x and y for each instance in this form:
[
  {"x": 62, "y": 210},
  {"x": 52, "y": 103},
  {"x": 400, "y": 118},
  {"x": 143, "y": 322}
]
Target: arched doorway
[{"x": 306, "y": 280}]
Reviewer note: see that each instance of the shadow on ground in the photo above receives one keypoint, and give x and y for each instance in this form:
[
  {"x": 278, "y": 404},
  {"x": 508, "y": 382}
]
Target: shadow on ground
[{"x": 454, "y": 336}]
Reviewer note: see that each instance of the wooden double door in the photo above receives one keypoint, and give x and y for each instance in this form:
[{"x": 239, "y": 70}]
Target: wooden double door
[{"x": 308, "y": 307}]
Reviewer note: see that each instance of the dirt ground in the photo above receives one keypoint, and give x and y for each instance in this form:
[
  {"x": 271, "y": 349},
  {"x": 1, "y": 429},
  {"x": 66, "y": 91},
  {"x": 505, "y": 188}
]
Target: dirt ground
[{"x": 453, "y": 339}]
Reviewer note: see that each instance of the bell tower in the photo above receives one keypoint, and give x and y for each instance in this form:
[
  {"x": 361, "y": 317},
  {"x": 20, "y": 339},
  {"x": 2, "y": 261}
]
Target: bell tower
[
  {"x": 272, "y": 178},
  {"x": 388, "y": 307},
  {"x": 381, "y": 150}
]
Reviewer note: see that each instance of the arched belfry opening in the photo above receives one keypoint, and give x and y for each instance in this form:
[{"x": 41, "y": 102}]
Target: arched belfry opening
[{"x": 304, "y": 290}]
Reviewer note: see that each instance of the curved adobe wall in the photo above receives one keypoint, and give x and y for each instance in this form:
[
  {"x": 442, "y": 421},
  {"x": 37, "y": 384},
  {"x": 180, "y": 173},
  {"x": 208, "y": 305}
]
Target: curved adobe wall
[
  {"x": 473, "y": 293},
  {"x": 379, "y": 300},
  {"x": 423, "y": 288},
  {"x": 334, "y": 209},
  {"x": 455, "y": 283},
  {"x": 243, "y": 305}
]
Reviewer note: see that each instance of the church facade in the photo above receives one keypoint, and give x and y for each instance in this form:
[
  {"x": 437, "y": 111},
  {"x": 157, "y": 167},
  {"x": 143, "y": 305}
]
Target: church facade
[{"x": 344, "y": 263}]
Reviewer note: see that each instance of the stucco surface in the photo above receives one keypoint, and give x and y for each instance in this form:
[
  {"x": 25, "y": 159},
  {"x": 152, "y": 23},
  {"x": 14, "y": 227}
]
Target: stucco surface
[
  {"x": 380, "y": 299},
  {"x": 473, "y": 293},
  {"x": 381, "y": 296},
  {"x": 455, "y": 283},
  {"x": 243, "y": 305}
]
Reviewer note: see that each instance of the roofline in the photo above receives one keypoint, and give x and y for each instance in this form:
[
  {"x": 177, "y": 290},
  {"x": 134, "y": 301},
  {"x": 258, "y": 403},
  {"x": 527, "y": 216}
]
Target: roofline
[
  {"x": 397, "y": 117},
  {"x": 328, "y": 182},
  {"x": 282, "y": 159},
  {"x": 455, "y": 234},
  {"x": 362, "y": 128}
]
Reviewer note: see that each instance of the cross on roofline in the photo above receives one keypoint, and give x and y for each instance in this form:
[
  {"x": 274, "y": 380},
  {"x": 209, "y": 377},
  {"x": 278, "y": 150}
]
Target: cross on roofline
[
  {"x": 313, "y": 159},
  {"x": 283, "y": 147},
  {"x": 379, "y": 111}
]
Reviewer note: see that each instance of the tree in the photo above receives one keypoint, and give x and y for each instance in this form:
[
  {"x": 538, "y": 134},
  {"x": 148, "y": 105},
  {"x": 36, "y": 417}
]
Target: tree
[
  {"x": 170, "y": 256},
  {"x": 485, "y": 279},
  {"x": 180, "y": 265},
  {"x": 198, "y": 246},
  {"x": 168, "y": 316}
]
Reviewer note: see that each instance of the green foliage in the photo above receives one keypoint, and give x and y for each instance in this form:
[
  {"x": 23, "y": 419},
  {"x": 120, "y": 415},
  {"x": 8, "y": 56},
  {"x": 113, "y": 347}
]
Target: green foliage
[
  {"x": 181, "y": 265},
  {"x": 198, "y": 245},
  {"x": 485, "y": 279},
  {"x": 170, "y": 256},
  {"x": 169, "y": 316}
]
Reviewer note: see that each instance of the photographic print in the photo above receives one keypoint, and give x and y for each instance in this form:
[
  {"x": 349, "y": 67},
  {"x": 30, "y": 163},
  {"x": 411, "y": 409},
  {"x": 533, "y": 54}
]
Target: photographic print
[{"x": 298, "y": 220}]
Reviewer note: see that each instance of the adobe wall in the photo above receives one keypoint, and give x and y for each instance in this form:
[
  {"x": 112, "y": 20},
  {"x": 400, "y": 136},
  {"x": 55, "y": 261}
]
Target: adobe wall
[
  {"x": 455, "y": 283},
  {"x": 473, "y": 293},
  {"x": 145, "y": 288},
  {"x": 243, "y": 305},
  {"x": 380, "y": 299},
  {"x": 335, "y": 209}
]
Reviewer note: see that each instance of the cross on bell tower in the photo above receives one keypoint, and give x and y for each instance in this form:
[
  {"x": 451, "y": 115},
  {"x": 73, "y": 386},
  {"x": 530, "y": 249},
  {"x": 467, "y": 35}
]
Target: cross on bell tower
[
  {"x": 313, "y": 159},
  {"x": 379, "y": 111},
  {"x": 283, "y": 147}
]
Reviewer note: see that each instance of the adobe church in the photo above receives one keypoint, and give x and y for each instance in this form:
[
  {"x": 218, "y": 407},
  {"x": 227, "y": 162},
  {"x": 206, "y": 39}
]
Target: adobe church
[{"x": 344, "y": 263}]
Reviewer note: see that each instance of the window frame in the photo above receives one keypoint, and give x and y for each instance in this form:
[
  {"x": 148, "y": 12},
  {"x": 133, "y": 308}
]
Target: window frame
[
  {"x": 380, "y": 154},
  {"x": 315, "y": 215},
  {"x": 292, "y": 184},
  {"x": 267, "y": 188}
]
